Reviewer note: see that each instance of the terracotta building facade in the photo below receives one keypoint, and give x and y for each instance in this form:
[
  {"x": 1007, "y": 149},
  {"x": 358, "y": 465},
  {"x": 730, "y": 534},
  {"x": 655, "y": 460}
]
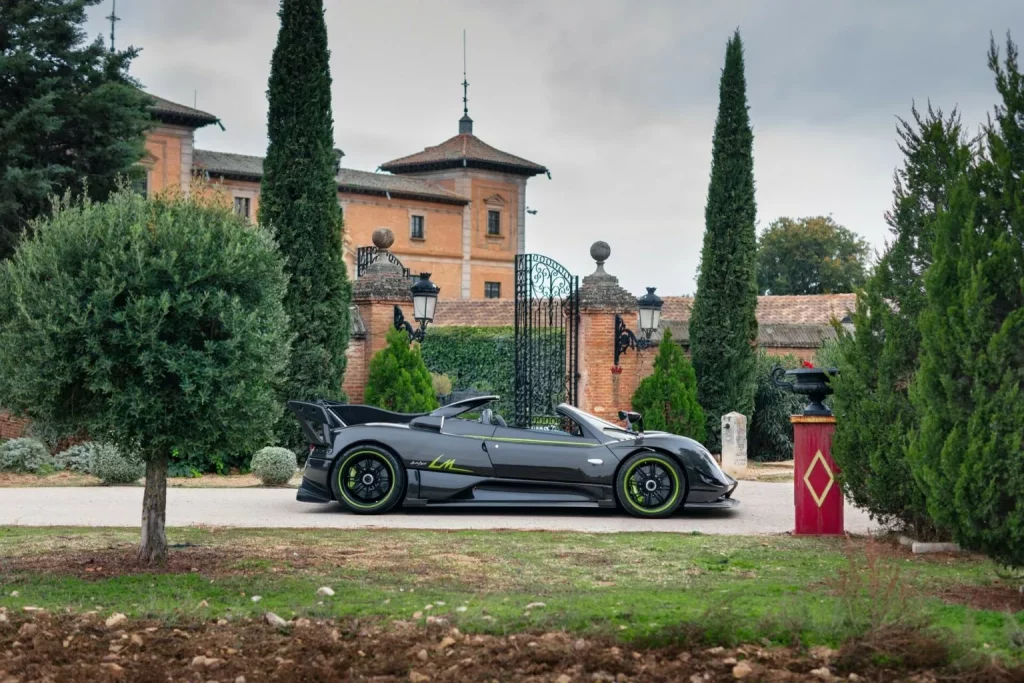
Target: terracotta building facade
[{"x": 457, "y": 209}]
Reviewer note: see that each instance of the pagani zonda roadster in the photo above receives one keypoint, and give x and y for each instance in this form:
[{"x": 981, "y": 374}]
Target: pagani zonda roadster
[{"x": 371, "y": 460}]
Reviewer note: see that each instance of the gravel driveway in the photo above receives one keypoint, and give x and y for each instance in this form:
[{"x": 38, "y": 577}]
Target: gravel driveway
[{"x": 766, "y": 508}]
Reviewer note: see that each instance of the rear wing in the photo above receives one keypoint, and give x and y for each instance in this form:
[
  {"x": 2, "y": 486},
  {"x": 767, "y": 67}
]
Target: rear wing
[{"x": 316, "y": 421}]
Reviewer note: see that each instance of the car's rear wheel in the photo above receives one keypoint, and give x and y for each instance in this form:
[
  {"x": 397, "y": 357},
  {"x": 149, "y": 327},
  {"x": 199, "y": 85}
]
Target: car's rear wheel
[
  {"x": 650, "y": 484},
  {"x": 368, "y": 480}
]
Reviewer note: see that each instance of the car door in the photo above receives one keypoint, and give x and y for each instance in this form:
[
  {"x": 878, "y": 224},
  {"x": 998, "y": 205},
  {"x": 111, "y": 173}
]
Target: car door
[{"x": 548, "y": 456}]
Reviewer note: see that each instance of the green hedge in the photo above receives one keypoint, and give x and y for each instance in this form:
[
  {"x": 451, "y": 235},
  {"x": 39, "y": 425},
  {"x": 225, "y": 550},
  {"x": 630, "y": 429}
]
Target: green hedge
[{"x": 483, "y": 359}]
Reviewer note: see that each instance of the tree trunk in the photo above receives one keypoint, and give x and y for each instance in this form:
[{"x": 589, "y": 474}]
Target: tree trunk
[{"x": 153, "y": 549}]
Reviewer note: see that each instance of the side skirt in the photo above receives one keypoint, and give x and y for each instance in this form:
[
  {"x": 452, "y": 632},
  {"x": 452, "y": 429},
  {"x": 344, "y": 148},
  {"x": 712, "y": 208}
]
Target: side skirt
[{"x": 443, "y": 488}]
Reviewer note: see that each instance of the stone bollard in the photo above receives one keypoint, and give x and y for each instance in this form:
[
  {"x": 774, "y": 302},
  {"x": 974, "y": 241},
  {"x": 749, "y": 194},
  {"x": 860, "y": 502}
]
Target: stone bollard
[{"x": 734, "y": 444}]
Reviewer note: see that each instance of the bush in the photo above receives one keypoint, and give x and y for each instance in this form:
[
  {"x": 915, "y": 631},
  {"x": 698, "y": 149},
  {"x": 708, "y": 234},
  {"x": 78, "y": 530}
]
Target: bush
[
  {"x": 113, "y": 467},
  {"x": 667, "y": 398},
  {"x": 274, "y": 466},
  {"x": 398, "y": 378},
  {"x": 483, "y": 359},
  {"x": 77, "y": 458},
  {"x": 25, "y": 455},
  {"x": 441, "y": 384},
  {"x": 770, "y": 434}
]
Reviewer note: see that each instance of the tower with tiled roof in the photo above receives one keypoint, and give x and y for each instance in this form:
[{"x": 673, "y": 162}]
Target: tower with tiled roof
[{"x": 494, "y": 221}]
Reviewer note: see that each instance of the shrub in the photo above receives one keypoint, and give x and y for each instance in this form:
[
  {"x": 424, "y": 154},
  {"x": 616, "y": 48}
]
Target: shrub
[
  {"x": 156, "y": 323},
  {"x": 25, "y": 455},
  {"x": 77, "y": 458},
  {"x": 969, "y": 447},
  {"x": 667, "y": 398},
  {"x": 441, "y": 384},
  {"x": 113, "y": 467},
  {"x": 483, "y": 359},
  {"x": 274, "y": 466},
  {"x": 877, "y": 363},
  {"x": 398, "y": 378},
  {"x": 770, "y": 434}
]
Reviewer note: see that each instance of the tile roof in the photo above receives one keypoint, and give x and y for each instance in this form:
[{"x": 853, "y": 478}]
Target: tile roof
[
  {"x": 463, "y": 150},
  {"x": 814, "y": 309},
  {"x": 809, "y": 310},
  {"x": 349, "y": 180},
  {"x": 771, "y": 335},
  {"x": 172, "y": 112}
]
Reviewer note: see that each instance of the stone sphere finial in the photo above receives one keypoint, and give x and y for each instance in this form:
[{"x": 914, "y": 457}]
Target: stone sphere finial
[
  {"x": 383, "y": 238},
  {"x": 600, "y": 251}
]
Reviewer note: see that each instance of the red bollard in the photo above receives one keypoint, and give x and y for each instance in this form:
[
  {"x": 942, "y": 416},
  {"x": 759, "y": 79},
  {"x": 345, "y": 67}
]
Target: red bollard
[{"x": 817, "y": 494}]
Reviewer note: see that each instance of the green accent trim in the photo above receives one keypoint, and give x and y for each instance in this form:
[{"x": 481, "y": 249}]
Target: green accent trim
[
  {"x": 447, "y": 465},
  {"x": 509, "y": 439},
  {"x": 666, "y": 504},
  {"x": 341, "y": 485}
]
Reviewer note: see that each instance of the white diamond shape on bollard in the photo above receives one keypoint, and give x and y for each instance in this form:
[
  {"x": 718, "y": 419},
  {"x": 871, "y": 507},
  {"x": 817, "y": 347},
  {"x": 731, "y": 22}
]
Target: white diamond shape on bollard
[{"x": 819, "y": 459}]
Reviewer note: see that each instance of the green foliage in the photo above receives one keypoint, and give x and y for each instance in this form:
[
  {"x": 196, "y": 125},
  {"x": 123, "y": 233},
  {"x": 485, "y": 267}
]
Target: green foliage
[
  {"x": 723, "y": 327},
  {"x": 274, "y": 466},
  {"x": 25, "y": 455},
  {"x": 877, "y": 363},
  {"x": 299, "y": 201},
  {"x": 813, "y": 255},
  {"x": 398, "y": 378},
  {"x": 475, "y": 358},
  {"x": 113, "y": 467},
  {"x": 441, "y": 384},
  {"x": 156, "y": 324},
  {"x": 968, "y": 450},
  {"x": 70, "y": 117},
  {"x": 483, "y": 359},
  {"x": 667, "y": 398},
  {"x": 77, "y": 458},
  {"x": 770, "y": 434}
]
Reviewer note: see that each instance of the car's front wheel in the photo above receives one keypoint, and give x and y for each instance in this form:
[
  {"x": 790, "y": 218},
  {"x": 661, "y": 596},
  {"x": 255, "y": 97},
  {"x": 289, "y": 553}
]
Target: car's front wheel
[
  {"x": 650, "y": 484},
  {"x": 368, "y": 480}
]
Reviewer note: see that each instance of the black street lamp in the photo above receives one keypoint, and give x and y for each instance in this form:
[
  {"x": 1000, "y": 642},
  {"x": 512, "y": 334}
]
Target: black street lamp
[
  {"x": 650, "y": 317},
  {"x": 424, "y": 301}
]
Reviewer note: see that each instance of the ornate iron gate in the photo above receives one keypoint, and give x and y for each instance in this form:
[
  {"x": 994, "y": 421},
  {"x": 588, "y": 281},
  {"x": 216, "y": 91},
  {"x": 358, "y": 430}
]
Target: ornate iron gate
[{"x": 547, "y": 333}]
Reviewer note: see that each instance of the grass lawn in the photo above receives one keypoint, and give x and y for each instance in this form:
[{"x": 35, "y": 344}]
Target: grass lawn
[{"x": 652, "y": 589}]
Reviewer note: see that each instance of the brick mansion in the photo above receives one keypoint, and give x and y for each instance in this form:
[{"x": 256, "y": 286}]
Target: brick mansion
[{"x": 457, "y": 209}]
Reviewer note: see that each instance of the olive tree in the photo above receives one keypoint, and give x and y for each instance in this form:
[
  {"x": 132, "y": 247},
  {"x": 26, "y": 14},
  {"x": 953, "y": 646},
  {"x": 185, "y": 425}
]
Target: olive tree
[{"x": 154, "y": 325}]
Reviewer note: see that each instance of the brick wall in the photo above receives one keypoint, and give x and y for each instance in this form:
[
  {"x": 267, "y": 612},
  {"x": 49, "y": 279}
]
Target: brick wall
[
  {"x": 355, "y": 372},
  {"x": 11, "y": 427}
]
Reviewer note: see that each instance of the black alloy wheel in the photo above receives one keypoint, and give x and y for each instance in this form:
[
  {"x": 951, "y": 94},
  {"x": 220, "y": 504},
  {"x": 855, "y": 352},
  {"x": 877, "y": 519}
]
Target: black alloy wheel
[
  {"x": 650, "y": 484},
  {"x": 368, "y": 480}
]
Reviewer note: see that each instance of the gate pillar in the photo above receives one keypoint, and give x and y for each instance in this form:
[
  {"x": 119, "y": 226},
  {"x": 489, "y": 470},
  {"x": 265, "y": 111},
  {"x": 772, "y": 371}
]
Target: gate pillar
[
  {"x": 604, "y": 388},
  {"x": 382, "y": 286}
]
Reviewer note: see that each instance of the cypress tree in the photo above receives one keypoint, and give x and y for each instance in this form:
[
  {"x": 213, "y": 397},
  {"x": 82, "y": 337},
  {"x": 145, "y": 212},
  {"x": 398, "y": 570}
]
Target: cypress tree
[
  {"x": 667, "y": 398},
  {"x": 968, "y": 451},
  {"x": 399, "y": 379},
  {"x": 71, "y": 119},
  {"x": 723, "y": 328},
  {"x": 299, "y": 201},
  {"x": 878, "y": 362}
]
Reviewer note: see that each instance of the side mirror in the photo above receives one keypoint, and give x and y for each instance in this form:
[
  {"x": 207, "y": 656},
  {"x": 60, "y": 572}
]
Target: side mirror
[{"x": 633, "y": 418}]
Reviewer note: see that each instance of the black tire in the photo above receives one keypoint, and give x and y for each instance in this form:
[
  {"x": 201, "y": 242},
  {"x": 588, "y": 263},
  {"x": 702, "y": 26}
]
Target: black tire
[
  {"x": 650, "y": 484},
  {"x": 368, "y": 480}
]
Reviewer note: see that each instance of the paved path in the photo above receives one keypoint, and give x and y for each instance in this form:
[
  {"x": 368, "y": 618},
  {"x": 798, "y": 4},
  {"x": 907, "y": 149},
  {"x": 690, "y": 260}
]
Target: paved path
[{"x": 766, "y": 508}]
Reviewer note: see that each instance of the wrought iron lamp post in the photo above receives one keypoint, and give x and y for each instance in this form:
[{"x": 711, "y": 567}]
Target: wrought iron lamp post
[
  {"x": 424, "y": 301},
  {"x": 650, "y": 317}
]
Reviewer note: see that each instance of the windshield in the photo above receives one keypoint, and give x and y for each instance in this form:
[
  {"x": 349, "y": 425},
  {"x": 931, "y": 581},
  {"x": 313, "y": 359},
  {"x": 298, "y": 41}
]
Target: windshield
[{"x": 596, "y": 424}]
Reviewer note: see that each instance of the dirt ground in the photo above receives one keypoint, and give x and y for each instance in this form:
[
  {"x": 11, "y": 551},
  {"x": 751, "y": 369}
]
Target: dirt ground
[{"x": 36, "y": 646}]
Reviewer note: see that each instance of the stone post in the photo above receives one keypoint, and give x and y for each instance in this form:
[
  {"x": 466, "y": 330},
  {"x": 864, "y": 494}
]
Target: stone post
[
  {"x": 734, "y": 443},
  {"x": 376, "y": 293},
  {"x": 604, "y": 389}
]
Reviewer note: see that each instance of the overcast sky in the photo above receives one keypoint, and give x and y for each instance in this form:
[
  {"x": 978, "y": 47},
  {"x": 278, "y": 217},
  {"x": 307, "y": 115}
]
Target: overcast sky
[{"x": 617, "y": 98}]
